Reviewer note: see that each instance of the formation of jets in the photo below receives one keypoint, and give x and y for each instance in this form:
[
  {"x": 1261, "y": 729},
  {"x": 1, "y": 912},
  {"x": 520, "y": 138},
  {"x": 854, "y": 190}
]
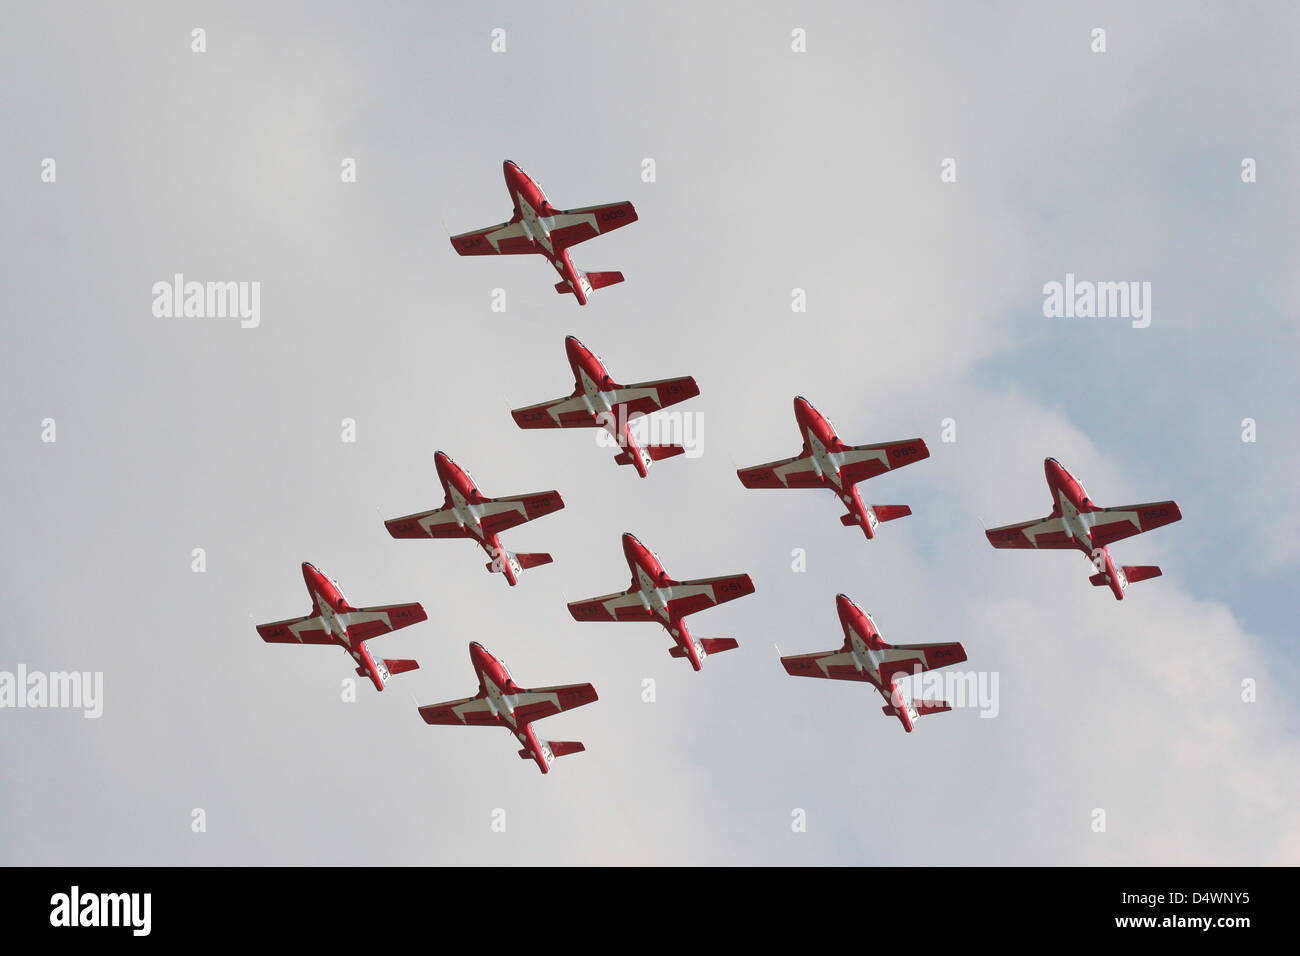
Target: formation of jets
[{"x": 597, "y": 401}]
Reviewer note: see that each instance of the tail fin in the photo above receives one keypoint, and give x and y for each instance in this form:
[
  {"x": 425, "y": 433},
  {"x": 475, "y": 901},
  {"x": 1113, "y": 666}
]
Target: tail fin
[
  {"x": 656, "y": 453},
  {"x": 400, "y": 665},
  {"x": 533, "y": 559}
]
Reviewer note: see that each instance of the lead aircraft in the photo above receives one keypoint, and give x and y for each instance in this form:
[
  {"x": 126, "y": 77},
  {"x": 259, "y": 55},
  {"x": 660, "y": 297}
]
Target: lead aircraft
[
  {"x": 1076, "y": 522},
  {"x": 654, "y": 596},
  {"x": 500, "y": 702},
  {"x": 865, "y": 656},
  {"x": 335, "y": 621},
  {"x": 598, "y": 401},
  {"x": 466, "y": 513},
  {"x": 827, "y": 462},
  {"x": 539, "y": 227}
]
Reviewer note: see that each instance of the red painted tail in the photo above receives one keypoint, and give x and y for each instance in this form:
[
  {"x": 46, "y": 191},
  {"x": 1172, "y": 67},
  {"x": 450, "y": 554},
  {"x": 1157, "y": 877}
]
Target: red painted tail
[
  {"x": 559, "y": 748},
  {"x": 400, "y": 665},
  {"x": 1128, "y": 574},
  {"x": 656, "y": 453},
  {"x": 914, "y": 710},
  {"x": 883, "y": 513},
  {"x": 597, "y": 280},
  {"x": 1140, "y": 572},
  {"x": 711, "y": 645}
]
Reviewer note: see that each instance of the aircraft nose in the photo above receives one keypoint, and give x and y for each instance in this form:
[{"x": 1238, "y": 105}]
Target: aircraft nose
[{"x": 630, "y": 544}]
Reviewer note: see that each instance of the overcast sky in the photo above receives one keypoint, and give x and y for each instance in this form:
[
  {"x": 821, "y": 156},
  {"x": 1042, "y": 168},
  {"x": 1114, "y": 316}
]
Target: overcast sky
[{"x": 775, "y": 170}]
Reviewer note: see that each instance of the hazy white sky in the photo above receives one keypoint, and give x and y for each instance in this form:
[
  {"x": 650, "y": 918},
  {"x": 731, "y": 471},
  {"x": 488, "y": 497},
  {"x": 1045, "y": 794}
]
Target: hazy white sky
[{"x": 775, "y": 170}]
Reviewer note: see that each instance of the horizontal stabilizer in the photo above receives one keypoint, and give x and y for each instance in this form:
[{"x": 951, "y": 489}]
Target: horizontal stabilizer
[
  {"x": 559, "y": 748},
  {"x": 656, "y": 453},
  {"x": 1132, "y": 574},
  {"x": 1140, "y": 572},
  {"x": 401, "y": 665},
  {"x": 711, "y": 645},
  {"x": 597, "y": 280},
  {"x": 922, "y": 707},
  {"x": 890, "y": 512},
  {"x": 525, "y": 560},
  {"x": 716, "y": 645}
]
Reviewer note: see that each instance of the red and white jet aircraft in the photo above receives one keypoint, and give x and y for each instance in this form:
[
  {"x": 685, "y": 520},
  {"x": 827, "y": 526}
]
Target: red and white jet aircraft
[
  {"x": 600, "y": 402},
  {"x": 465, "y": 513},
  {"x": 826, "y": 462},
  {"x": 654, "y": 596},
  {"x": 864, "y": 656},
  {"x": 539, "y": 227},
  {"x": 335, "y": 621},
  {"x": 500, "y": 702},
  {"x": 1075, "y": 522}
]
